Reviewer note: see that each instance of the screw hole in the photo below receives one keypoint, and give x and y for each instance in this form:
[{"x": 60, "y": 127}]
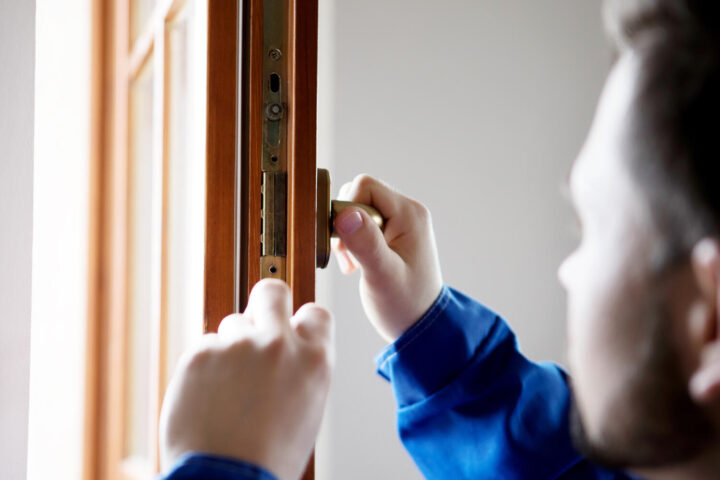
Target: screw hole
[
  {"x": 274, "y": 159},
  {"x": 273, "y": 269}
]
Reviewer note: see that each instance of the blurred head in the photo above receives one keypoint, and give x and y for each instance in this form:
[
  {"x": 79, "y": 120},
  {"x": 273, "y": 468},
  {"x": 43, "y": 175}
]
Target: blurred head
[{"x": 644, "y": 283}]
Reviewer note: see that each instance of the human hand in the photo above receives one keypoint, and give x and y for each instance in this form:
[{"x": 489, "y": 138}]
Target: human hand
[
  {"x": 401, "y": 275},
  {"x": 256, "y": 390}
]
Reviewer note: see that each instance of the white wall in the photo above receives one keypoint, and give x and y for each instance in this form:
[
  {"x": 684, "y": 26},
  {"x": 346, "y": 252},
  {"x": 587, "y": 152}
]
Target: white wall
[
  {"x": 17, "y": 63},
  {"x": 60, "y": 243},
  {"x": 477, "y": 108}
]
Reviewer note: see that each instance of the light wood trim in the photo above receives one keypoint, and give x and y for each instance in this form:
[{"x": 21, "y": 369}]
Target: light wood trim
[
  {"x": 160, "y": 257},
  {"x": 113, "y": 261},
  {"x": 114, "y": 68},
  {"x": 117, "y": 340},
  {"x": 221, "y": 148},
  {"x": 140, "y": 53},
  {"x": 165, "y": 259},
  {"x": 97, "y": 243},
  {"x": 142, "y": 47}
]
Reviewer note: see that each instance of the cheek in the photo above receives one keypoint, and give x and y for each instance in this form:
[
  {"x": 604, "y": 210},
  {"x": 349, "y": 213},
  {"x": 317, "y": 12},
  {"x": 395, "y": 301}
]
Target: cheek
[
  {"x": 601, "y": 300},
  {"x": 591, "y": 299},
  {"x": 602, "y": 289},
  {"x": 592, "y": 286}
]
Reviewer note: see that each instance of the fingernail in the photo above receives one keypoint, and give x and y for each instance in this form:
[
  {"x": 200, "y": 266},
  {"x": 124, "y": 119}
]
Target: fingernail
[{"x": 349, "y": 224}]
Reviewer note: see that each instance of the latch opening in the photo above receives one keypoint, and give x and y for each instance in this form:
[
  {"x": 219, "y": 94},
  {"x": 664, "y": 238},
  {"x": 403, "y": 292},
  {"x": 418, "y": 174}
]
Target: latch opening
[{"x": 275, "y": 83}]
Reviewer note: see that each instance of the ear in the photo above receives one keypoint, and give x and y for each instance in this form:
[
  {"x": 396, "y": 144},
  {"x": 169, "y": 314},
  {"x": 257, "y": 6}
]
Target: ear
[{"x": 705, "y": 380}]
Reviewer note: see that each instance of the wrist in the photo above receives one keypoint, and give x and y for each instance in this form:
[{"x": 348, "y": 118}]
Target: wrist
[{"x": 419, "y": 305}]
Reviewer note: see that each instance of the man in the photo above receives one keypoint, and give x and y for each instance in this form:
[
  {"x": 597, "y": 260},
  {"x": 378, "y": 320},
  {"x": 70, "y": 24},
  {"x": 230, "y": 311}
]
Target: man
[{"x": 643, "y": 310}]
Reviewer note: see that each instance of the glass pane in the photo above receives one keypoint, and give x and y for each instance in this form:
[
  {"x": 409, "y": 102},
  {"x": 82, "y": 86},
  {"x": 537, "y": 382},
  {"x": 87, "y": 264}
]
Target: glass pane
[
  {"x": 140, "y": 264},
  {"x": 186, "y": 183},
  {"x": 140, "y": 13}
]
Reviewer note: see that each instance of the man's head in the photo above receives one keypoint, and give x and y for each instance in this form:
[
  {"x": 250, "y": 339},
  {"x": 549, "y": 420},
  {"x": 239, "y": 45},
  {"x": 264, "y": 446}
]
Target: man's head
[{"x": 644, "y": 283}]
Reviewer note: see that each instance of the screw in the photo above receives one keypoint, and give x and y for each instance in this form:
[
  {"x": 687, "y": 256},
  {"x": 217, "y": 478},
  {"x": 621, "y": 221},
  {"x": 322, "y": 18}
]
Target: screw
[
  {"x": 274, "y": 111},
  {"x": 275, "y": 54}
]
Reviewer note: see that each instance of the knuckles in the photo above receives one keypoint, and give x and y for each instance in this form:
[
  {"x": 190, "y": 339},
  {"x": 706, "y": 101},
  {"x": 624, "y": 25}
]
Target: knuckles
[
  {"x": 241, "y": 348},
  {"x": 314, "y": 323},
  {"x": 199, "y": 359},
  {"x": 363, "y": 181},
  {"x": 309, "y": 359},
  {"x": 318, "y": 313},
  {"x": 274, "y": 348},
  {"x": 419, "y": 210}
]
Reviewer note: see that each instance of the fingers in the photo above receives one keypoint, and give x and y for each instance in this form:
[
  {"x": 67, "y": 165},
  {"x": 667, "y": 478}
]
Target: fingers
[
  {"x": 235, "y": 326},
  {"x": 343, "y": 194},
  {"x": 348, "y": 264},
  {"x": 362, "y": 237},
  {"x": 270, "y": 306},
  {"x": 370, "y": 191},
  {"x": 314, "y": 324},
  {"x": 345, "y": 260}
]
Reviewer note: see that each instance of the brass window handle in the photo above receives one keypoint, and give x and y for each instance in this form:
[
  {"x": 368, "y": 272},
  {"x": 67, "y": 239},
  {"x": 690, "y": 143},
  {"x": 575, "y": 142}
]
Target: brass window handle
[{"x": 327, "y": 211}]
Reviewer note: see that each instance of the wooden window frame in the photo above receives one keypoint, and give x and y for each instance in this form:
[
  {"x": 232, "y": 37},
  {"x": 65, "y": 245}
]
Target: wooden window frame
[{"x": 115, "y": 63}]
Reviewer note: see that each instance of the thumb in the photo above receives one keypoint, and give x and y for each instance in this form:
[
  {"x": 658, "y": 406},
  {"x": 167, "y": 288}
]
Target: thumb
[{"x": 364, "y": 239}]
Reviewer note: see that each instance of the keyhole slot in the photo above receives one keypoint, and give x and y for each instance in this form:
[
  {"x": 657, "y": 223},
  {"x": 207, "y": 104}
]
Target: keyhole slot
[{"x": 274, "y": 83}]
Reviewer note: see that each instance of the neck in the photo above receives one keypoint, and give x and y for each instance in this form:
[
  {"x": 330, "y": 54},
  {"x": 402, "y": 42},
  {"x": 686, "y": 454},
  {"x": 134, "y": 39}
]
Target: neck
[{"x": 704, "y": 466}]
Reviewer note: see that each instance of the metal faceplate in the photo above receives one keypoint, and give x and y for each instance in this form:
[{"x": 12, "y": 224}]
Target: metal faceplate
[
  {"x": 275, "y": 146},
  {"x": 276, "y": 91}
]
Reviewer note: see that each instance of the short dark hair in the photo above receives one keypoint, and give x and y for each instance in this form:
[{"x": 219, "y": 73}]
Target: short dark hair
[{"x": 674, "y": 135}]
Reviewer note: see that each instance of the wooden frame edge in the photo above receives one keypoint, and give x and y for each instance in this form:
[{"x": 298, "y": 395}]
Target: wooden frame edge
[
  {"x": 221, "y": 158},
  {"x": 251, "y": 148},
  {"x": 302, "y": 167}
]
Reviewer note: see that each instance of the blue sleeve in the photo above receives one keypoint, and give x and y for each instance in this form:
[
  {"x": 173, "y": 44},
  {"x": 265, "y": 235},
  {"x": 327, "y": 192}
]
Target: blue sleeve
[
  {"x": 198, "y": 466},
  {"x": 471, "y": 406}
]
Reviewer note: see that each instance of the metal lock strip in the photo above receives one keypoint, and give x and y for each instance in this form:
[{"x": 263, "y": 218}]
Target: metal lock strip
[{"x": 274, "y": 146}]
